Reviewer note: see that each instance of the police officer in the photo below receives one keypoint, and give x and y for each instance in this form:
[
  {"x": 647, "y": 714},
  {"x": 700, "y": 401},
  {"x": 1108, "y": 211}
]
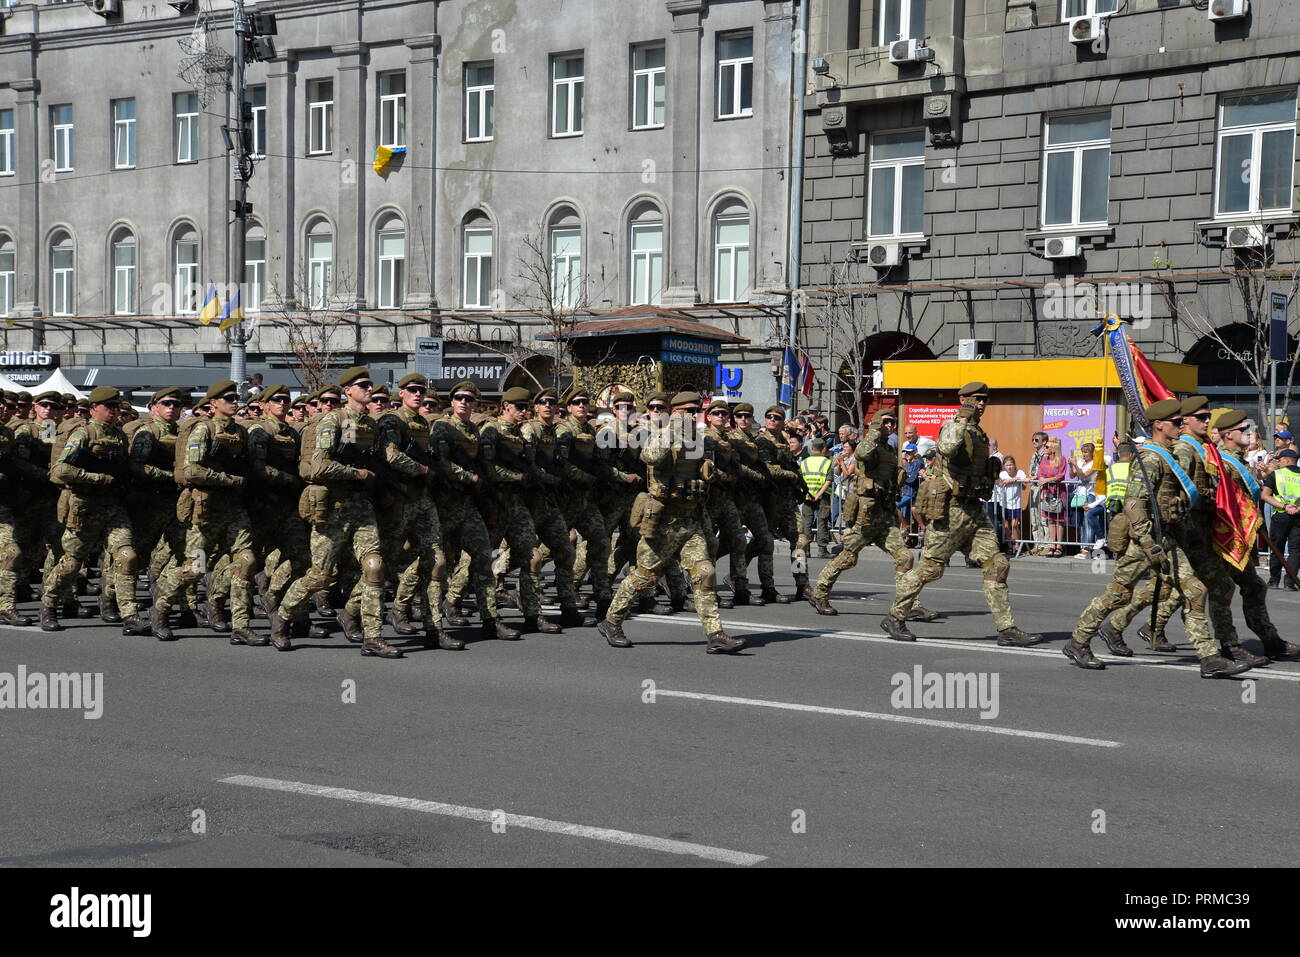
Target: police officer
[
  {"x": 670, "y": 514},
  {"x": 960, "y": 523}
]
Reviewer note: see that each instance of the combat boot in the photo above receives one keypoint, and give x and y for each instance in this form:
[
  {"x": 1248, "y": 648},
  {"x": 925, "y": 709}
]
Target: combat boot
[
  {"x": 1217, "y": 666},
  {"x": 322, "y": 602},
  {"x": 771, "y": 595},
  {"x": 822, "y": 606},
  {"x": 187, "y": 619},
  {"x": 739, "y": 595},
  {"x": 720, "y": 643},
  {"x": 452, "y": 617},
  {"x": 673, "y": 607},
  {"x": 379, "y": 648},
  {"x": 1020, "y": 639},
  {"x": 400, "y": 622},
  {"x": 280, "y": 633},
  {"x": 496, "y": 628},
  {"x": 49, "y": 619},
  {"x": 435, "y": 636},
  {"x": 11, "y": 617},
  {"x": 108, "y": 610},
  {"x": 1238, "y": 653},
  {"x": 726, "y": 601},
  {"x": 1114, "y": 640},
  {"x": 613, "y": 633},
  {"x": 541, "y": 624},
  {"x": 351, "y": 627},
  {"x": 1082, "y": 656},
  {"x": 922, "y": 614},
  {"x": 158, "y": 624},
  {"x": 216, "y": 619},
  {"x": 246, "y": 636},
  {"x": 896, "y": 629},
  {"x": 1280, "y": 650},
  {"x": 70, "y": 609},
  {"x": 1144, "y": 632},
  {"x": 135, "y": 625},
  {"x": 570, "y": 617},
  {"x": 507, "y": 598},
  {"x": 602, "y": 608}
]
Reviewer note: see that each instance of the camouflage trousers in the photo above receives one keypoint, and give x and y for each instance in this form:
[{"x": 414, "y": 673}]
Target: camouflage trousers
[
  {"x": 223, "y": 534},
  {"x": 350, "y": 528},
  {"x": 411, "y": 535},
  {"x": 731, "y": 535},
  {"x": 39, "y": 533},
  {"x": 158, "y": 536},
  {"x": 965, "y": 528},
  {"x": 1129, "y": 570},
  {"x": 553, "y": 542},
  {"x": 582, "y": 515},
  {"x": 877, "y": 526},
  {"x": 681, "y": 534},
  {"x": 463, "y": 530},
  {"x": 782, "y": 516},
  {"x": 10, "y": 558},
  {"x": 761, "y": 544},
  {"x": 615, "y": 507},
  {"x": 92, "y": 523},
  {"x": 283, "y": 538},
  {"x": 513, "y": 525}
]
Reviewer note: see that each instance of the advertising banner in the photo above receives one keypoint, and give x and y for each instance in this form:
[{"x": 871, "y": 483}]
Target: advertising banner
[{"x": 929, "y": 419}]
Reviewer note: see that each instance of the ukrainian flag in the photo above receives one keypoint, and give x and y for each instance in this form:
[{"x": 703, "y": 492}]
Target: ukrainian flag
[
  {"x": 234, "y": 313},
  {"x": 211, "y": 305},
  {"x": 384, "y": 156}
]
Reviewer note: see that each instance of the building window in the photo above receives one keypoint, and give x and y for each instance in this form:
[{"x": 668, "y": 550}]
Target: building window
[
  {"x": 186, "y": 273},
  {"x": 647, "y": 263},
  {"x": 392, "y": 109},
  {"x": 254, "y": 270},
  {"x": 478, "y": 267},
  {"x": 256, "y": 98},
  {"x": 61, "y": 131},
  {"x": 902, "y": 20},
  {"x": 124, "y": 259},
  {"x": 566, "y": 267},
  {"x": 1073, "y": 9},
  {"x": 187, "y": 128},
  {"x": 648, "y": 77},
  {"x": 392, "y": 268},
  {"x": 567, "y": 82},
  {"x": 320, "y": 119},
  {"x": 123, "y": 134},
  {"x": 731, "y": 258},
  {"x": 735, "y": 75},
  {"x": 320, "y": 270},
  {"x": 6, "y": 277},
  {"x": 480, "y": 94},
  {"x": 1076, "y": 161},
  {"x": 1256, "y": 151},
  {"x": 896, "y": 185},
  {"x": 6, "y": 142},
  {"x": 62, "y": 276}
]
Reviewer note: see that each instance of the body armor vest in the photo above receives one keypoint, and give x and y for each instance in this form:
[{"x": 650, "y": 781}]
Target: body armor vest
[
  {"x": 283, "y": 449},
  {"x": 967, "y": 469},
  {"x": 1194, "y": 465},
  {"x": 416, "y": 434},
  {"x": 462, "y": 439},
  {"x": 510, "y": 445},
  {"x": 41, "y": 447},
  {"x": 356, "y": 436},
  {"x": 1170, "y": 497},
  {"x": 162, "y": 451},
  {"x": 747, "y": 450},
  {"x": 678, "y": 480},
  {"x": 881, "y": 480}
]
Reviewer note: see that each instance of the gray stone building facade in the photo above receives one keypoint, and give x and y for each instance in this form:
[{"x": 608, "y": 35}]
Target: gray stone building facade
[
  {"x": 637, "y": 151},
  {"x": 1014, "y": 153}
]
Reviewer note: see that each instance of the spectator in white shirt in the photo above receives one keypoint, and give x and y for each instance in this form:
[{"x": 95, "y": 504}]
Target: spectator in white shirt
[{"x": 1008, "y": 493}]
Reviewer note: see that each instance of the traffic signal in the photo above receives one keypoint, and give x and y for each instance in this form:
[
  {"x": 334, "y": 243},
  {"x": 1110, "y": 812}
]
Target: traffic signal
[{"x": 261, "y": 27}]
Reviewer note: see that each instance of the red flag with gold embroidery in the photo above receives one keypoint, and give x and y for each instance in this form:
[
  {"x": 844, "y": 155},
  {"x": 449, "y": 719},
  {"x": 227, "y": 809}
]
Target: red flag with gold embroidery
[{"x": 1236, "y": 516}]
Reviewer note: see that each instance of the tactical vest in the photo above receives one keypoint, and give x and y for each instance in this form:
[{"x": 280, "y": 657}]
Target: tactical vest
[
  {"x": 162, "y": 451},
  {"x": 880, "y": 482},
  {"x": 967, "y": 469},
  {"x": 1170, "y": 497},
  {"x": 583, "y": 445},
  {"x": 1117, "y": 481},
  {"x": 416, "y": 433},
  {"x": 510, "y": 445},
  {"x": 1205, "y": 483},
  {"x": 230, "y": 437},
  {"x": 462, "y": 442},
  {"x": 679, "y": 480},
  {"x": 282, "y": 452},
  {"x": 747, "y": 450},
  {"x": 1287, "y": 480},
  {"x": 41, "y": 448},
  {"x": 356, "y": 436},
  {"x": 104, "y": 450},
  {"x": 182, "y": 443}
]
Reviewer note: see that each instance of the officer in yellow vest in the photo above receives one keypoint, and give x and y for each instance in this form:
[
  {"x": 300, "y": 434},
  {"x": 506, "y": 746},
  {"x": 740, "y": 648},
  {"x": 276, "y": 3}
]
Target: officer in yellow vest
[
  {"x": 815, "y": 470},
  {"x": 1281, "y": 489}
]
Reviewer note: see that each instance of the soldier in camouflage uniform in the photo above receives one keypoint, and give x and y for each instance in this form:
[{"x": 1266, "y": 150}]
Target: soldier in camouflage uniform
[
  {"x": 93, "y": 470},
  {"x": 339, "y": 454},
  {"x": 36, "y": 526},
  {"x": 751, "y": 491},
  {"x": 960, "y": 523},
  {"x": 1157, "y": 475},
  {"x": 780, "y": 503},
  {"x": 12, "y": 496},
  {"x": 614, "y": 497},
  {"x": 585, "y": 471},
  {"x": 670, "y": 514},
  {"x": 875, "y": 522},
  {"x": 721, "y": 504}
]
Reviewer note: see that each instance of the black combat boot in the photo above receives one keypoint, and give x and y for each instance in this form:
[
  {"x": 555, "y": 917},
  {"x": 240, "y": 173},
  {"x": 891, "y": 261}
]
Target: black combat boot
[
  {"x": 570, "y": 617},
  {"x": 187, "y": 619},
  {"x": 136, "y": 625},
  {"x": 613, "y": 633},
  {"x": 771, "y": 595},
  {"x": 216, "y": 618},
  {"x": 1082, "y": 656},
  {"x": 322, "y": 602},
  {"x": 896, "y": 629},
  {"x": 49, "y": 619},
  {"x": 1280, "y": 650}
]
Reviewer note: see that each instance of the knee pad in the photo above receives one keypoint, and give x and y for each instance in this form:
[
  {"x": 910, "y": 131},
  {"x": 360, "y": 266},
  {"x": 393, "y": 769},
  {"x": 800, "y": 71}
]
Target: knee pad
[
  {"x": 645, "y": 577},
  {"x": 903, "y": 561},
  {"x": 67, "y": 566},
  {"x": 10, "y": 557},
  {"x": 317, "y": 580},
  {"x": 930, "y": 570},
  {"x": 1117, "y": 596},
  {"x": 245, "y": 565},
  {"x": 126, "y": 561},
  {"x": 997, "y": 568},
  {"x": 372, "y": 569},
  {"x": 1195, "y": 593},
  {"x": 704, "y": 575},
  {"x": 439, "y": 567}
]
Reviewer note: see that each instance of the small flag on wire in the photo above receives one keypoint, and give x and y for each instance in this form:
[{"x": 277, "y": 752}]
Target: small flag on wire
[
  {"x": 384, "y": 157},
  {"x": 211, "y": 305},
  {"x": 234, "y": 313}
]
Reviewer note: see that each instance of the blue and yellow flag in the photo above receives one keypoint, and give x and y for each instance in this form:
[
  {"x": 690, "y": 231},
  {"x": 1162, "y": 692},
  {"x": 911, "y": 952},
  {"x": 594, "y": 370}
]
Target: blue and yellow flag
[
  {"x": 211, "y": 305},
  {"x": 384, "y": 156},
  {"x": 234, "y": 313}
]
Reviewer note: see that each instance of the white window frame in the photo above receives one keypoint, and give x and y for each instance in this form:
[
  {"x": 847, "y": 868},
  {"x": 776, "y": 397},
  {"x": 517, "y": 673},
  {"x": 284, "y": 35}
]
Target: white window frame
[
  {"x": 1077, "y": 148},
  {"x": 320, "y": 273},
  {"x": 481, "y": 263},
  {"x": 185, "y": 277},
  {"x": 736, "y": 283},
  {"x": 736, "y": 67},
  {"x": 61, "y": 142},
  {"x": 7, "y": 139},
  {"x": 187, "y": 127},
  {"x": 259, "y": 121},
  {"x": 63, "y": 284},
  {"x": 907, "y": 29},
  {"x": 8, "y": 272},
  {"x": 124, "y": 278},
  {"x": 1089, "y": 9},
  {"x": 637, "y": 297},
  {"x": 644, "y": 82},
  {"x": 897, "y": 164},
  {"x": 320, "y": 118},
  {"x": 573, "y": 115},
  {"x": 254, "y": 275},
  {"x": 1257, "y": 132},
  {"x": 392, "y": 271},
  {"x": 124, "y": 135},
  {"x": 480, "y": 103},
  {"x": 566, "y": 269},
  {"x": 392, "y": 111}
]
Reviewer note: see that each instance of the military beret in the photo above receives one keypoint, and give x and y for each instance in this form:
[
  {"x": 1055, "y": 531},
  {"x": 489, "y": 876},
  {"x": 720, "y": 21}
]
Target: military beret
[
  {"x": 379, "y": 392},
  {"x": 547, "y": 393},
  {"x": 333, "y": 390},
  {"x": 517, "y": 394},
  {"x": 1164, "y": 409},
  {"x": 1230, "y": 418},
  {"x": 412, "y": 378},
  {"x": 685, "y": 398},
  {"x": 1193, "y": 403},
  {"x": 720, "y": 404},
  {"x": 69, "y": 398},
  {"x": 353, "y": 374},
  {"x": 973, "y": 388},
  {"x": 161, "y": 394},
  {"x": 621, "y": 395},
  {"x": 659, "y": 397},
  {"x": 219, "y": 389},
  {"x": 105, "y": 393},
  {"x": 299, "y": 402},
  {"x": 469, "y": 387},
  {"x": 743, "y": 407},
  {"x": 882, "y": 414},
  {"x": 771, "y": 409},
  {"x": 83, "y": 403},
  {"x": 273, "y": 390},
  {"x": 574, "y": 392},
  {"x": 9, "y": 396},
  {"x": 51, "y": 395},
  {"x": 25, "y": 396}
]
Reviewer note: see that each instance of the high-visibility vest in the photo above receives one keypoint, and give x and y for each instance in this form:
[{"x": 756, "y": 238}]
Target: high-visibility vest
[
  {"x": 815, "y": 469},
  {"x": 1117, "y": 481},
  {"x": 1288, "y": 484}
]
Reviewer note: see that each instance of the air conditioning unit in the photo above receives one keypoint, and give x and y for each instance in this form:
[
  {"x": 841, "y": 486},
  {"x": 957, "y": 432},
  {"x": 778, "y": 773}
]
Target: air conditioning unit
[
  {"x": 883, "y": 255},
  {"x": 974, "y": 348},
  {"x": 1228, "y": 9},
  {"x": 1061, "y": 247},
  {"x": 106, "y": 8},
  {"x": 1247, "y": 237},
  {"x": 909, "y": 51},
  {"x": 1086, "y": 29}
]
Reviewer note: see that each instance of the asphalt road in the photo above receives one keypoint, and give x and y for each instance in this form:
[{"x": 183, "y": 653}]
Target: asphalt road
[{"x": 556, "y": 751}]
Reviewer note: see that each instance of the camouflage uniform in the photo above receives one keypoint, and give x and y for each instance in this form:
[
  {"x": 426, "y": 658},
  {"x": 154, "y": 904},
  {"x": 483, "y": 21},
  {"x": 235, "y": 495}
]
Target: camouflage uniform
[
  {"x": 614, "y": 497},
  {"x": 456, "y": 445},
  {"x": 279, "y": 532},
  {"x": 721, "y": 502},
  {"x": 504, "y": 451},
  {"x": 584, "y": 471},
  {"x": 750, "y": 495},
  {"x": 548, "y": 521},
  {"x": 11, "y": 496},
  {"x": 36, "y": 526},
  {"x": 781, "y": 503}
]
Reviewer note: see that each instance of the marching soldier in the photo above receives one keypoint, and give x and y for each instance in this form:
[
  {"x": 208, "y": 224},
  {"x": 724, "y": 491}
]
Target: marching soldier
[
  {"x": 585, "y": 472},
  {"x": 615, "y": 496},
  {"x": 670, "y": 514},
  {"x": 11, "y": 496},
  {"x": 338, "y": 455},
  {"x": 721, "y": 504},
  {"x": 959, "y": 523},
  {"x": 754, "y": 480},
  {"x": 37, "y": 527},
  {"x": 93, "y": 470},
  {"x": 779, "y": 504}
]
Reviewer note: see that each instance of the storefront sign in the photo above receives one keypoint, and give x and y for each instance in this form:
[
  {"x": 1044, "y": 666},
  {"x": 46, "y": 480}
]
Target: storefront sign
[
  {"x": 685, "y": 350},
  {"x": 750, "y": 382},
  {"x": 464, "y": 362}
]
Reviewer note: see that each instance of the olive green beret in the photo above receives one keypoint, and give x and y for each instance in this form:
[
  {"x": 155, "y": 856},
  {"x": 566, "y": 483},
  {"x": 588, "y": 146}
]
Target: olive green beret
[
  {"x": 51, "y": 395},
  {"x": 379, "y": 392},
  {"x": 973, "y": 388},
  {"x": 9, "y": 396},
  {"x": 105, "y": 393},
  {"x": 685, "y": 398},
  {"x": 743, "y": 407},
  {"x": 273, "y": 390},
  {"x": 83, "y": 403},
  {"x": 1193, "y": 403},
  {"x": 658, "y": 397},
  {"x": 621, "y": 395},
  {"x": 25, "y": 396},
  {"x": 574, "y": 392},
  {"x": 775, "y": 409},
  {"x": 69, "y": 398},
  {"x": 469, "y": 387},
  {"x": 331, "y": 389},
  {"x": 219, "y": 389},
  {"x": 1230, "y": 418},
  {"x": 353, "y": 374},
  {"x": 882, "y": 414},
  {"x": 161, "y": 394},
  {"x": 412, "y": 378},
  {"x": 720, "y": 404},
  {"x": 517, "y": 394},
  {"x": 1164, "y": 409},
  {"x": 547, "y": 393}
]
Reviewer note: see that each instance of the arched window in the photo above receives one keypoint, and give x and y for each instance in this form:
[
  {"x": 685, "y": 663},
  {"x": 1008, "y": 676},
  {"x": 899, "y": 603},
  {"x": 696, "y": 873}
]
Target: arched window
[
  {"x": 320, "y": 264},
  {"x": 124, "y": 258},
  {"x": 565, "y": 230},
  {"x": 646, "y": 243},
  {"x": 254, "y": 268},
  {"x": 390, "y": 244},
  {"x": 477, "y": 274},
  {"x": 7, "y": 273},
  {"x": 185, "y": 270},
  {"x": 63, "y": 277},
  {"x": 731, "y": 252}
]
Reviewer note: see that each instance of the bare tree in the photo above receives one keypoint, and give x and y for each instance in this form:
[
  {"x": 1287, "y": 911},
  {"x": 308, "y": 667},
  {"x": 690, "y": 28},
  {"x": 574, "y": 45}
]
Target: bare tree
[
  {"x": 316, "y": 329},
  {"x": 557, "y": 300}
]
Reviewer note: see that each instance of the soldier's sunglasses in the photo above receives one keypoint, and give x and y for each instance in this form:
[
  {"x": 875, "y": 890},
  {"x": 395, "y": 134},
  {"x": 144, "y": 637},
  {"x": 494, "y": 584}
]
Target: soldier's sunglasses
[
  {"x": 521, "y": 406},
  {"x": 111, "y": 406},
  {"x": 744, "y": 415},
  {"x": 428, "y": 405},
  {"x": 416, "y": 389},
  {"x": 362, "y": 384},
  {"x": 50, "y": 405},
  {"x": 779, "y": 418},
  {"x": 465, "y": 397},
  {"x": 1203, "y": 416},
  {"x": 692, "y": 410},
  {"x": 229, "y": 397},
  {"x": 170, "y": 404},
  {"x": 328, "y": 400},
  {"x": 580, "y": 401},
  {"x": 625, "y": 405},
  {"x": 278, "y": 398},
  {"x": 717, "y": 411},
  {"x": 657, "y": 408},
  {"x": 1176, "y": 422},
  {"x": 548, "y": 402}
]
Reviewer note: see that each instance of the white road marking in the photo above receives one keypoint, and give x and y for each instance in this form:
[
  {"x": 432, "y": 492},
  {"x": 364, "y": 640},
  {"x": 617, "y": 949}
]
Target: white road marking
[
  {"x": 485, "y": 816},
  {"x": 900, "y": 718},
  {"x": 973, "y": 591}
]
